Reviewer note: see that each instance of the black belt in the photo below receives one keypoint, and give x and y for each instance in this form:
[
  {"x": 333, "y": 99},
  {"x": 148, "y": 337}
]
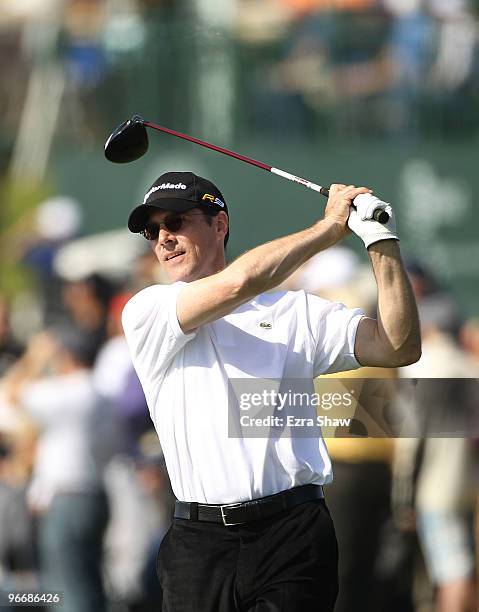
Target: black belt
[{"x": 244, "y": 512}]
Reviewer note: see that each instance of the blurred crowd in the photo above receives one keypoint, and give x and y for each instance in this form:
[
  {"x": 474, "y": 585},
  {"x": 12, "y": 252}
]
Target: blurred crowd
[
  {"x": 366, "y": 67},
  {"x": 84, "y": 495},
  {"x": 348, "y": 68}
]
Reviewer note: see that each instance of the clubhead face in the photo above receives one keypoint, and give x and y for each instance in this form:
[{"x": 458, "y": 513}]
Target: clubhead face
[{"x": 128, "y": 142}]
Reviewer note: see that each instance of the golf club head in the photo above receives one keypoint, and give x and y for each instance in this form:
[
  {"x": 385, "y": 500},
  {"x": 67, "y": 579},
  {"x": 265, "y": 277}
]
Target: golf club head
[{"x": 127, "y": 142}]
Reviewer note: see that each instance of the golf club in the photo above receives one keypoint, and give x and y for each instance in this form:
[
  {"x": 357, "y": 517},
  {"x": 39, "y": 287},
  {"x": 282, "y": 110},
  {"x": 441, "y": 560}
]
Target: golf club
[{"x": 129, "y": 141}]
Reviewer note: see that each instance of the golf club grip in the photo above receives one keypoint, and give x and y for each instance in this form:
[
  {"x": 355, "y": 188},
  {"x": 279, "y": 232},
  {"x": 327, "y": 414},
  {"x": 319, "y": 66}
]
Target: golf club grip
[{"x": 379, "y": 215}]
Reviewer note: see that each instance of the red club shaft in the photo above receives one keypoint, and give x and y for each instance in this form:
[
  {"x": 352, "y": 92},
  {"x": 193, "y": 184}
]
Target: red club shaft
[
  {"x": 379, "y": 214},
  {"x": 202, "y": 143}
]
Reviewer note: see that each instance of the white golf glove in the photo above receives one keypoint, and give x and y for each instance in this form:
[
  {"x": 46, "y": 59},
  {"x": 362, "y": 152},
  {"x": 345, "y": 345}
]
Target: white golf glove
[{"x": 363, "y": 225}]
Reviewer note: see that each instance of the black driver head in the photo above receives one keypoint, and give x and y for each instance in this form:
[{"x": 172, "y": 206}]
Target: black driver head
[{"x": 127, "y": 142}]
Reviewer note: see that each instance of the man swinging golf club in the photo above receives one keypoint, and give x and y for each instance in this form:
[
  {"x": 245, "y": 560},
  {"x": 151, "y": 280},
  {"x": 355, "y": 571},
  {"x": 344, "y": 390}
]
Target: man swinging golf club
[{"x": 251, "y": 532}]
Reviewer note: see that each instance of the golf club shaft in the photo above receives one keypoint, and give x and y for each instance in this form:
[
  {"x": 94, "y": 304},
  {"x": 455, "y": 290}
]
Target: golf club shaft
[
  {"x": 378, "y": 215},
  {"x": 291, "y": 177}
]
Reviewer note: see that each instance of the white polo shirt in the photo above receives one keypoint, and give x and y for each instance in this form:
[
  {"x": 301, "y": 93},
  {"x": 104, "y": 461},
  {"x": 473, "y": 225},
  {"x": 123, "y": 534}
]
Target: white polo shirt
[{"x": 185, "y": 378}]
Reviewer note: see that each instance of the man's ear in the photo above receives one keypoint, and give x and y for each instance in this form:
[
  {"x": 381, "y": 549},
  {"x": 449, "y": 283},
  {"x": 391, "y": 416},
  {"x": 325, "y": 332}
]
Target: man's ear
[{"x": 222, "y": 223}]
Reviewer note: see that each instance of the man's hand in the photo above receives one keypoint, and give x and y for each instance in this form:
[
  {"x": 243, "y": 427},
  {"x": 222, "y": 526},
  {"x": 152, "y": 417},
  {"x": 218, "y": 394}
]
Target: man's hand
[
  {"x": 41, "y": 349},
  {"x": 338, "y": 207},
  {"x": 362, "y": 224}
]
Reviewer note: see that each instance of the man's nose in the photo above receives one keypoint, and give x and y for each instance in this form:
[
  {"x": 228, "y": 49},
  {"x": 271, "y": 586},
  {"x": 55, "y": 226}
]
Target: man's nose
[{"x": 164, "y": 236}]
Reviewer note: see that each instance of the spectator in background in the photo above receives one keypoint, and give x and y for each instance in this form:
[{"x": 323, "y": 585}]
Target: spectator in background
[
  {"x": 86, "y": 302},
  {"x": 446, "y": 487},
  {"x": 452, "y": 78},
  {"x": 469, "y": 339},
  {"x": 142, "y": 510},
  {"x": 136, "y": 479},
  {"x": 362, "y": 70},
  {"x": 10, "y": 351},
  {"x": 334, "y": 71},
  {"x": 18, "y": 560},
  {"x": 113, "y": 362},
  {"x": 57, "y": 220},
  {"x": 17, "y": 551},
  {"x": 158, "y": 502},
  {"x": 409, "y": 47},
  {"x": 53, "y": 382},
  {"x": 286, "y": 62},
  {"x": 116, "y": 379}
]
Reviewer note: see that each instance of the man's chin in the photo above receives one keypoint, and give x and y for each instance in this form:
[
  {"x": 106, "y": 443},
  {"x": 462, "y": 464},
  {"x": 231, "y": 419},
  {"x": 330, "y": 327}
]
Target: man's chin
[{"x": 185, "y": 272}]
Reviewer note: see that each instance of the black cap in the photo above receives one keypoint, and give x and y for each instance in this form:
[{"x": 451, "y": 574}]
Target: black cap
[{"x": 178, "y": 192}]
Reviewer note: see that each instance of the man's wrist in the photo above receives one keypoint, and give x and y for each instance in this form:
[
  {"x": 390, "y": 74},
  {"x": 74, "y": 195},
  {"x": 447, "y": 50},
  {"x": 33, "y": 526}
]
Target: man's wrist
[
  {"x": 388, "y": 247},
  {"x": 330, "y": 230}
]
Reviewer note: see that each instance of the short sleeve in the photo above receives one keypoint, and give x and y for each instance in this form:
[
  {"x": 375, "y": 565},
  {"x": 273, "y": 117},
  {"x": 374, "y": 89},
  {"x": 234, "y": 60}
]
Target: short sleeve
[
  {"x": 334, "y": 330},
  {"x": 152, "y": 330},
  {"x": 57, "y": 398}
]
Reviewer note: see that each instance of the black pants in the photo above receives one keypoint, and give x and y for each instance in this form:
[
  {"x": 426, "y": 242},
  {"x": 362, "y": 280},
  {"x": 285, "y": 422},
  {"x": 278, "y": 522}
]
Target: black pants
[{"x": 286, "y": 563}]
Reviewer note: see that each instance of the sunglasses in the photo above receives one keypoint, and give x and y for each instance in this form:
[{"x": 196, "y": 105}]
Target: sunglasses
[{"x": 172, "y": 224}]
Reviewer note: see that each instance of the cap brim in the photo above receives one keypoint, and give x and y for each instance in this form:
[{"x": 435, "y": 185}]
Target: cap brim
[{"x": 140, "y": 215}]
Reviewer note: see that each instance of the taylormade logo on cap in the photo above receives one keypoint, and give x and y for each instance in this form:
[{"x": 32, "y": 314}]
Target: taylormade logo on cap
[
  {"x": 171, "y": 186},
  {"x": 163, "y": 186}
]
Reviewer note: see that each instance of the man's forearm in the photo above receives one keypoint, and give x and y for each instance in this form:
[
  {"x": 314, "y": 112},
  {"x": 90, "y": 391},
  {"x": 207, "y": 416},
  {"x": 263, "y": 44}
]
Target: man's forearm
[
  {"x": 397, "y": 322},
  {"x": 16, "y": 378},
  {"x": 268, "y": 265}
]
